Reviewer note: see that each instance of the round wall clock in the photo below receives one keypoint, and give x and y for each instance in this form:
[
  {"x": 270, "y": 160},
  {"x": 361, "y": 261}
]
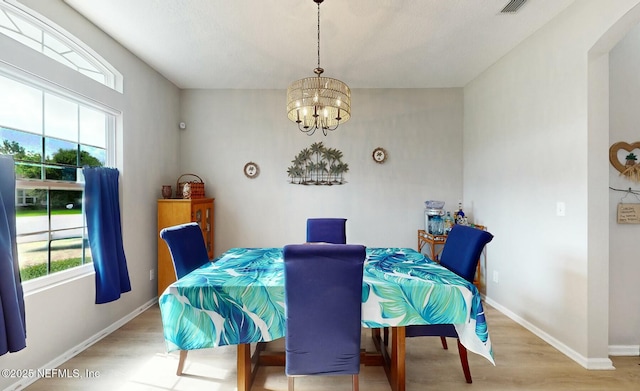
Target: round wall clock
[
  {"x": 251, "y": 170},
  {"x": 379, "y": 155}
]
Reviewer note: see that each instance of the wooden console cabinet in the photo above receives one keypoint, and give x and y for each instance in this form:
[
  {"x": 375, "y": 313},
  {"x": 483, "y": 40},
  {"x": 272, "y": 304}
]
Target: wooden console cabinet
[{"x": 180, "y": 211}]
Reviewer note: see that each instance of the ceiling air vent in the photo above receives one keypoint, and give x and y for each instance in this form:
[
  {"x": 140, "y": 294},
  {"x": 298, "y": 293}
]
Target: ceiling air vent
[{"x": 513, "y": 6}]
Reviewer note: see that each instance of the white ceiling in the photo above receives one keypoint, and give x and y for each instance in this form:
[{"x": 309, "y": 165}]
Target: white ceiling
[{"x": 266, "y": 44}]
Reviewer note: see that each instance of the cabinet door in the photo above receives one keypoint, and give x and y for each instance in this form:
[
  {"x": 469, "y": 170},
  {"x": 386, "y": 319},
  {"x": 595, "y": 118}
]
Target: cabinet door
[
  {"x": 208, "y": 238},
  {"x": 202, "y": 213}
]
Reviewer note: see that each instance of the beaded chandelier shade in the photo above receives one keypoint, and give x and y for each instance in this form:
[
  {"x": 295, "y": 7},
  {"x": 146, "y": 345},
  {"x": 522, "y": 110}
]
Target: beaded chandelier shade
[{"x": 318, "y": 102}]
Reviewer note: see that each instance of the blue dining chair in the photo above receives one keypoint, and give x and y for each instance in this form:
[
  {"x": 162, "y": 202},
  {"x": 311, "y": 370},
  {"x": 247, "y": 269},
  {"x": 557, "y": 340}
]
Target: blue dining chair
[
  {"x": 461, "y": 254},
  {"x": 323, "y": 310},
  {"x": 188, "y": 252},
  {"x": 327, "y": 230},
  {"x": 187, "y": 247}
]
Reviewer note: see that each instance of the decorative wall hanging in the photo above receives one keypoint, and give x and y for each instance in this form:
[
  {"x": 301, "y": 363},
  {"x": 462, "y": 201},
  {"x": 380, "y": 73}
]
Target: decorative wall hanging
[
  {"x": 318, "y": 165},
  {"x": 379, "y": 155},
  {"x": 629, "y": 212},
  {"x": 631, "y": 167},
  {"x": 251, "y": 170}
]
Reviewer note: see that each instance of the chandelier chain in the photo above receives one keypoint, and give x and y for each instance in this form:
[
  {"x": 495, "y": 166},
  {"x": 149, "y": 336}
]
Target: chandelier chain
[{"x": 318, "y": 35}]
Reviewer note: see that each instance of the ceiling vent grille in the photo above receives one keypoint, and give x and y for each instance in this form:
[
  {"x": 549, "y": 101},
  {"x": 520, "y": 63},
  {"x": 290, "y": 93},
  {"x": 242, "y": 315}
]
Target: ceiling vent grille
[{"x": 513, "y": 6}]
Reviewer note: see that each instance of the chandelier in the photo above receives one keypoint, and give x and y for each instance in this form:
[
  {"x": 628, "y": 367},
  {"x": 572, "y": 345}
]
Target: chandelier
[{"x": 318, "y": 102}]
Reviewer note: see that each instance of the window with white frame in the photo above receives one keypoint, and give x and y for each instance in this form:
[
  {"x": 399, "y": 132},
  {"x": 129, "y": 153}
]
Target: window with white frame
[
  {"x": 52, "y": 132},
  {"x": 51, "y": 137}
]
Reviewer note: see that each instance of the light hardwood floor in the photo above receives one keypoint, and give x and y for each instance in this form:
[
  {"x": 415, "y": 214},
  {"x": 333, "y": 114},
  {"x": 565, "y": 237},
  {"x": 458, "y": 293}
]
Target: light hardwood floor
[{"x": 134, "y": 358}]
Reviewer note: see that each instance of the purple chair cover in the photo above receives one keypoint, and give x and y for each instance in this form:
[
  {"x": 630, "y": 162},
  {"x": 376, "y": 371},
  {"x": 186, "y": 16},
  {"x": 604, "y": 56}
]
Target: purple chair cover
[
  {"x": 187, "y": 247},
  {"x": 462, "y": 250},
  {"x": 327, "y": 230},
  {"x": 461, "y": 254},
  {"x": 323, "y": 308}
]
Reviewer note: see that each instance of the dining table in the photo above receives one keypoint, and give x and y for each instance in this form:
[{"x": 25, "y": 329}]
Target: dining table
[{"x": 238, "y": 299}]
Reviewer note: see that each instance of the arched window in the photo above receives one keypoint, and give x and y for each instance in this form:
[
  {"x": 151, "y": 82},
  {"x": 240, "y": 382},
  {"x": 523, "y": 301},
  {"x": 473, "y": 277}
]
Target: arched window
[{"x": 34, "y": 31}]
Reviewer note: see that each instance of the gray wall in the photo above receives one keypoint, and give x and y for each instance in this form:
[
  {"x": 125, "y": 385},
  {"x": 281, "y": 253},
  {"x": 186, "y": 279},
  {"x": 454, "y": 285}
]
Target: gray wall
[
  {"x": 61, "y": 318},
  {"x": 624, "y": 258},
  {"x": 384, "y": 203},
  {"x": 534, "y": 136}
]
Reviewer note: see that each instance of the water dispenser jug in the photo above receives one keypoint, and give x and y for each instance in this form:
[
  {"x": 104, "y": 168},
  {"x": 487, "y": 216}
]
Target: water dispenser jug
[{"x": 434, "y": 221}]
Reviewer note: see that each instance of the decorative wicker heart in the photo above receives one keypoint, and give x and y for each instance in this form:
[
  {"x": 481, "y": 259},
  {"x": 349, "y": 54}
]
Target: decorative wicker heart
[{"x": 613, "y": 153}]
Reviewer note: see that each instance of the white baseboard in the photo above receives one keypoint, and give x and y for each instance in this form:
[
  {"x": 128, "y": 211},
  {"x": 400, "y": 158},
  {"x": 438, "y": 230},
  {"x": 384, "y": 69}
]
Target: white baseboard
[
  {"x": 624, "y": 350},
  {"x": 56, "y": 362},
  {"x": 603, "y": 363}
]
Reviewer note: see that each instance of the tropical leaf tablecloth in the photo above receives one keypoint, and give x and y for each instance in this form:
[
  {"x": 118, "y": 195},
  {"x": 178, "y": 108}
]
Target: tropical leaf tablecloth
[{"x": 239, "y": 298}]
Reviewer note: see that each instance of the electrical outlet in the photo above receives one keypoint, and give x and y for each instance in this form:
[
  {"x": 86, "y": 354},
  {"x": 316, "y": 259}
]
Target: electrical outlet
[
  {"x": 496, "y": 276},
  {"x": 152, "y": 274}
]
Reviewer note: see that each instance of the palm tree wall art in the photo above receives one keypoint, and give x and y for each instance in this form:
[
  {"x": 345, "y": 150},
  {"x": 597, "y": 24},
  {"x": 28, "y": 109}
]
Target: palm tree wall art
[{"x": 318, "y": 165}]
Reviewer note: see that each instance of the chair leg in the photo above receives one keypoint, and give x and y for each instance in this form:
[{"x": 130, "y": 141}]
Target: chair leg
[
  {"x": 385, "y": 334},
  {"x": 183, "y": 358},
  {"x": 356, "y": 383},
  {"x": 465, "y": 362},
  {"x": 290, "y": 383},
  {"x": 444, "y": 342}
]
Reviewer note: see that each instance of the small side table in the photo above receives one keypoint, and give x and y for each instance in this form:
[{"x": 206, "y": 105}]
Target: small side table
[
  {"x": 436, "y": 243},
  {"x": 432, "y": 241}
]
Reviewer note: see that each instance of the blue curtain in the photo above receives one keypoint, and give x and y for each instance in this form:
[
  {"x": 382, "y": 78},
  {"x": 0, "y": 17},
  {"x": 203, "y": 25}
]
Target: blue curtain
[
  {"x": 102, "y": 207},
  {"x": 13, "y": 331}
]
